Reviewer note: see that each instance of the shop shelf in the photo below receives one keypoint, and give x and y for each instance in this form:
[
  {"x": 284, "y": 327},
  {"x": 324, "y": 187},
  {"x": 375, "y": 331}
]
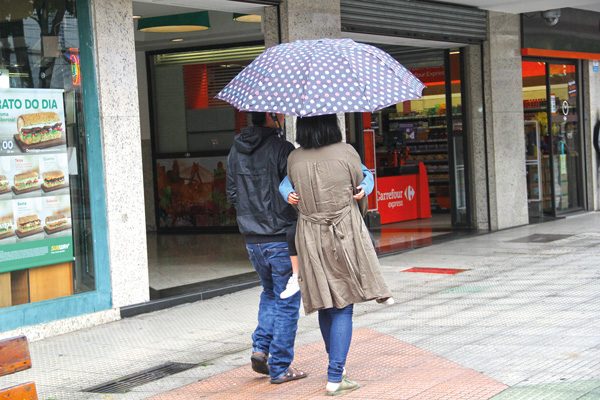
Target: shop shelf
[
  {"x": 436, "y": 161},
  {"x": 426, "y": 141},
  {"x": 432, "y": 151}
]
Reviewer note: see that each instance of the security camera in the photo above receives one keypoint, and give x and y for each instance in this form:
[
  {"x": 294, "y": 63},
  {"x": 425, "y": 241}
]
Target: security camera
[{"x": 551, "y": 17}]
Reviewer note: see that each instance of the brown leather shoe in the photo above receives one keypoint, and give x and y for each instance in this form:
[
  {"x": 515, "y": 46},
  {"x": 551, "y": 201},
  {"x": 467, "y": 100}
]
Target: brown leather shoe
[{"x": 260, "y": 363}]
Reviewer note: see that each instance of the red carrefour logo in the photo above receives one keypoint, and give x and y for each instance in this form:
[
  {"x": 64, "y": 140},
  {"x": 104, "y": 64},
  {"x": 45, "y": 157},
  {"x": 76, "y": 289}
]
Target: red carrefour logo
[{"x": 409, "y": 193}]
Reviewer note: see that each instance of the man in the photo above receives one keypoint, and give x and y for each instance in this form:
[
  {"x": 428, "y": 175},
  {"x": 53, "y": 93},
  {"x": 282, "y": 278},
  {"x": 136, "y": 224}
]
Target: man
[{"x": 256, "y": 165}]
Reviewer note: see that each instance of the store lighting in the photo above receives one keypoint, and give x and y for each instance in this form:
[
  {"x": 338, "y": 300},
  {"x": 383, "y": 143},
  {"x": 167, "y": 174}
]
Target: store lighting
[
  {"x": 188, "y": 22},
  {"x": 176, "y": 40},
  {"x": 136, "y": 17},
  {"x": 246, "y": 17}
]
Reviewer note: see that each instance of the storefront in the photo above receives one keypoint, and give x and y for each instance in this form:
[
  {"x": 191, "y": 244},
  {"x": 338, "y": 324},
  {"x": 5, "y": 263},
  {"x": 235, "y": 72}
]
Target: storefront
[
  {"x": 555, "y": 134},
  {"x": 52, "y": 219}
]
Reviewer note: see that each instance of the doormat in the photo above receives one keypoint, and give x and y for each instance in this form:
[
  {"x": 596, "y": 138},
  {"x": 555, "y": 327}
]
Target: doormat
[
  {"x": 447, "y": 271},
  {"x": 540, "y": 238}
]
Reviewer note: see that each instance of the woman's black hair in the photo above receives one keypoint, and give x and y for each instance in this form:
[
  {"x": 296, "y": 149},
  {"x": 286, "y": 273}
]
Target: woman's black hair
[
  {"x": 259, "y": 118},
  {"x": 318, "y": 131}
]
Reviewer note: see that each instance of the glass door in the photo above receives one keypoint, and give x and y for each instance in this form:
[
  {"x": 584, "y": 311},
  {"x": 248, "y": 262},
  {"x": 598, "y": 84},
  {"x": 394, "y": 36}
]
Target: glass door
[
  {"x": 552, "y": 138},
  {"x": 456, "y": 139},
  {"x": 565, "y": 136}
]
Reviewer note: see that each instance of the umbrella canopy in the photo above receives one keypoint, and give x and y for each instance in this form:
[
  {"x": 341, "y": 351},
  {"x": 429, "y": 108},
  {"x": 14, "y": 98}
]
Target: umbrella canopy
[{"x": 325, "y": 76}]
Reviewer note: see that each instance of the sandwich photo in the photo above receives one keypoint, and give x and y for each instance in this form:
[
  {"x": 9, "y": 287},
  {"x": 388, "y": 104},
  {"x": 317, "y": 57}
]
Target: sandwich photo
[
  {"x": 29, "y": 223},
  {"x": 39, "y": 127},
  {"x": 53, "y": 178},
  {"x": 56, "y": 221},
  {"x": 3, "y": 183},
  {"x": 5, "y": 225},
  {"x": 26, "y": 180}
]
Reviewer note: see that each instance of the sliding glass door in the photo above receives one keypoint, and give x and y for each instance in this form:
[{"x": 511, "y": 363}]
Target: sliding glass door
[{"x": 552, "y": 137}]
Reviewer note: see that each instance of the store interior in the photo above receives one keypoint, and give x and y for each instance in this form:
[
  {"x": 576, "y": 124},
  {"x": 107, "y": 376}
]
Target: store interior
[{"x": 402, "y": 139}]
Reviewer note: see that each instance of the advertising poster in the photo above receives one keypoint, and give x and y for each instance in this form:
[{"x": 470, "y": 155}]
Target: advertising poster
[
  {"x": 191, "y": 193},
  {"x": 35, "y": 204}
]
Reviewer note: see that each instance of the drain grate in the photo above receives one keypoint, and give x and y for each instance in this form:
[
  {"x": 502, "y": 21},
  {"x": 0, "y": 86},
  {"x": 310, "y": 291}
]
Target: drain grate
[
  {"x": 126, "y": 383},
  {"x": 540, "y": 238},
  {"x": 448, "y": 271}
]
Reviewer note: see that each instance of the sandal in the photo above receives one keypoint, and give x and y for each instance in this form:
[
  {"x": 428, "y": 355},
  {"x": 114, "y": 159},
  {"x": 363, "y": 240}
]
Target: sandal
[
  {"x": 259, "y": 363},
  {"x": 291, "y": 375},
  {"x": 347, "y": 385}
]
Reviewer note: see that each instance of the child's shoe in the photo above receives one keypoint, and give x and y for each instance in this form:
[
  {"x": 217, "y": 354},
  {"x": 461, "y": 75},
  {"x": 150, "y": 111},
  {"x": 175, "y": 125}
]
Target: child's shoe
[
  {"x": 291, "y": 288},
  {"x": 386, "y": 300}
]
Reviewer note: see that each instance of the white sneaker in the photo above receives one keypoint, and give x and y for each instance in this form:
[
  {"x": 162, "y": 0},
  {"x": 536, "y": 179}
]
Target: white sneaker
[
  {"x": 291, "y": 288},
  {"x": 386, "y": 300}
]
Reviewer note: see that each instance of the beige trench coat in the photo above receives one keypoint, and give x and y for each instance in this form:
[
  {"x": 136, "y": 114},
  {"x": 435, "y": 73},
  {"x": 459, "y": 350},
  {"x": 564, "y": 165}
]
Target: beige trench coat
[{"x": 338, "y": 264}]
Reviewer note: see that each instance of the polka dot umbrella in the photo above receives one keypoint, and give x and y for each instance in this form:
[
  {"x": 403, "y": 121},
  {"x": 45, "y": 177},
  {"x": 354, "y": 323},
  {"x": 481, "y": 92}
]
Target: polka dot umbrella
[{"x": 326, "y": 76}]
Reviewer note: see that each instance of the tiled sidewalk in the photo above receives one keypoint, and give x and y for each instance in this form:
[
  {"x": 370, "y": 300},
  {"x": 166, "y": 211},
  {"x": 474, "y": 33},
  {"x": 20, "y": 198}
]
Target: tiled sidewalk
[
  {"x": 521, "y": 321},
  {"x": 386, "y": 368}
]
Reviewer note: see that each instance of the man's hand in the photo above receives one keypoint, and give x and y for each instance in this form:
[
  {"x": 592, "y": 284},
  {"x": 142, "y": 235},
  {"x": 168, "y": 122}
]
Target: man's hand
[
  {"x": 293, "y": 198},
  {"x": 360, "y": 194}
]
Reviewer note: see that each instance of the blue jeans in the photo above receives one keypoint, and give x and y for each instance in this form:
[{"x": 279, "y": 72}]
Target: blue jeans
[
  {"x": 277, "y": 317},
  {"x": 336, "y": 329}
]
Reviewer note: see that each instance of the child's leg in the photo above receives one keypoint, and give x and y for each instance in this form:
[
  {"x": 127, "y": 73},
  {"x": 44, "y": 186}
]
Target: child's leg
[
  {"x": 291, "y": 241},
  {"x": 292, "y": 286},
  {"x": 294, "y": 260}
]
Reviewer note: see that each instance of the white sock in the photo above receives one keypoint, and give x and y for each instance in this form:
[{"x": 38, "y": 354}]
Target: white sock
[
  {"x": 295, "y": 276},
  {"x": 332, "y": 387}
]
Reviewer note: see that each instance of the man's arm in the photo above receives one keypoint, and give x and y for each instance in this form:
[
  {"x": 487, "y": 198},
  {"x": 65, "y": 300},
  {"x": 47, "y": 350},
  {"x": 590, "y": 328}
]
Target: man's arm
[
  {"x": 284, "y": 151},
  {"x": 231, "y": 189}
]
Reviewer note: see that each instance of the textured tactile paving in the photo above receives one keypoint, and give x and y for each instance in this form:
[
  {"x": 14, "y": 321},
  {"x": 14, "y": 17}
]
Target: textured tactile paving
[{"x": 386, "y": 368}]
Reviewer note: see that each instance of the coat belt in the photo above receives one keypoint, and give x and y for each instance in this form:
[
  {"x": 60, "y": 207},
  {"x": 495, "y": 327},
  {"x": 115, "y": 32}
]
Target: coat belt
[{"x": 331, "y": 219}]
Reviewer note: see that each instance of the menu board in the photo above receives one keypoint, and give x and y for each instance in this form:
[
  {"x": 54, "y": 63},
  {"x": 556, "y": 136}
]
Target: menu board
[{"x": 35, "y": 201}]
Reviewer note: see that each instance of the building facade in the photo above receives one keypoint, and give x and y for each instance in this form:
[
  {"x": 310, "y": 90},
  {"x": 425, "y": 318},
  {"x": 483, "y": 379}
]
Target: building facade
[{"x": 518, "y": 112}]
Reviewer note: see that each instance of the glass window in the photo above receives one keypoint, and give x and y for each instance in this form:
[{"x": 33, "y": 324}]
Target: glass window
[
  {"x": 193, "y": 133},
  {"x": 45, "y": 229}
]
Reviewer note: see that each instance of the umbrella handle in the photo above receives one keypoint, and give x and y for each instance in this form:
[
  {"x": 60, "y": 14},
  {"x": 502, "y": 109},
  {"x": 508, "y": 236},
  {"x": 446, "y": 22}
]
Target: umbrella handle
[{"x": 277, "y": 124}]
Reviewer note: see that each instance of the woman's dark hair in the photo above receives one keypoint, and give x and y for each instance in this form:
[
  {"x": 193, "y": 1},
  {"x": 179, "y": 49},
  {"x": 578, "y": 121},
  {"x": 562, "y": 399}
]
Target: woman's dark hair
[
  {"x": 259, "y": 118},
  {"x": 318, "y": 131}
]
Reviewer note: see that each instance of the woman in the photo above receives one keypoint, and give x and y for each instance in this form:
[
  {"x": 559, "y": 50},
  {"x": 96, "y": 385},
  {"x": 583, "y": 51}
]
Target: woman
[{"x": 338, "y": 264}]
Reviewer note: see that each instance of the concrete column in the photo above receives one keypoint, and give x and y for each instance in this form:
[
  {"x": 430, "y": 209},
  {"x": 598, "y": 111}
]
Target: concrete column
[
  {"x": 473, "y": 108},
  {"x": 120, "y": 125},
  {"x": 502, "y": 79},
  {"x": 302, "y": 19}
]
